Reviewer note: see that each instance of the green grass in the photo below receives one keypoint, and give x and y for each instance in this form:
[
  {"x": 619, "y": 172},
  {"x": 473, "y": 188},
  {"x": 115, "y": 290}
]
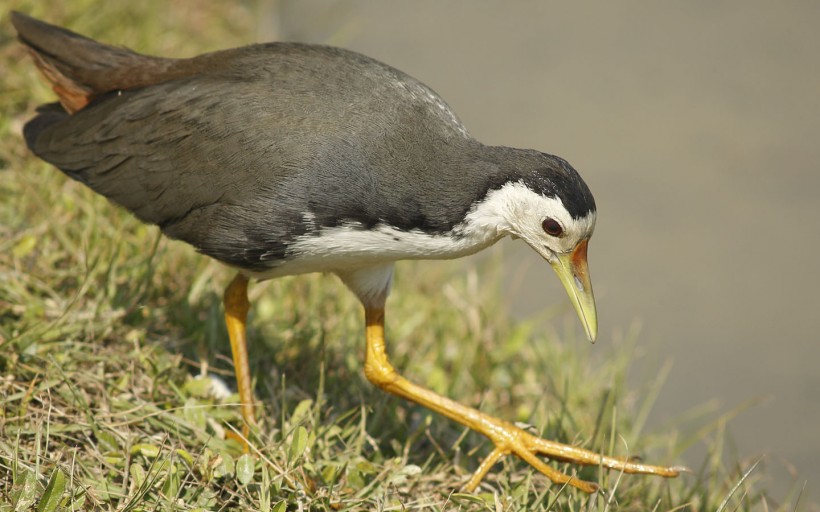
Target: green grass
[{"x": 106, "y": 329}]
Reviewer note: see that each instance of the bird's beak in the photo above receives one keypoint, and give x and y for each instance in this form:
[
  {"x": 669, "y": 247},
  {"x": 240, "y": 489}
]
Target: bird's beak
[{"x": 573, "y": 271}]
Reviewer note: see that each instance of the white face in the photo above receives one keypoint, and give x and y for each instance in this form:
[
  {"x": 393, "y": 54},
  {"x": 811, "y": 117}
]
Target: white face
[
  {"x": 542, "y": 222},
  {"x": 546, "y": 225}
]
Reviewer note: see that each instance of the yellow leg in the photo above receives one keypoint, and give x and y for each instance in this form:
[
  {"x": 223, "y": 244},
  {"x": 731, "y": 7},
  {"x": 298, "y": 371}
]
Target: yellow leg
[
  {"x": 507, "y": 437},
  {"x": 236, "y": 314}
]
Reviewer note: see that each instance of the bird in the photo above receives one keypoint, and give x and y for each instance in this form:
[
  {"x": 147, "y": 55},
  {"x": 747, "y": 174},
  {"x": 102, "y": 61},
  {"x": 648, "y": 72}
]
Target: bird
[{"x": 282, "y": 158}]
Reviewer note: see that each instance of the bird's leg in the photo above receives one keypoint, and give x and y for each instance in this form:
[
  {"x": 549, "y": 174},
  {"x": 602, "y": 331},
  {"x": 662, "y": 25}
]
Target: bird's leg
[
  {"x": 507, "y": 437},
  {"x": 236, "y": 314}
]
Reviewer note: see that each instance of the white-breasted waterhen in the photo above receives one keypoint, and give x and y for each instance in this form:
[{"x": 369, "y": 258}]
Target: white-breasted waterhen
[{"x": 281, "y": 158}]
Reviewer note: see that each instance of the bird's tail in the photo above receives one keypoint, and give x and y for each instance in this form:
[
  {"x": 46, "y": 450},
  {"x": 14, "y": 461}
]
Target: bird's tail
[{"x": 81, "y": 69}]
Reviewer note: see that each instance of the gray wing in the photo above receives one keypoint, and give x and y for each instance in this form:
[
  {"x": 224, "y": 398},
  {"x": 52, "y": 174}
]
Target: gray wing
[
  {"x": 242, "y": 162},
  {"x": 186, "y": 158}
]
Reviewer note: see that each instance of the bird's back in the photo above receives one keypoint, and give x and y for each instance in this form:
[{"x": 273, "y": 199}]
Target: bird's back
[{"x": 280, "y": 139}]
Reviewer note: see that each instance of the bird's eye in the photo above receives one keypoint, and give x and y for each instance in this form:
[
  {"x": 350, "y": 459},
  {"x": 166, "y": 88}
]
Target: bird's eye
[{"x": 552, "y": 227}]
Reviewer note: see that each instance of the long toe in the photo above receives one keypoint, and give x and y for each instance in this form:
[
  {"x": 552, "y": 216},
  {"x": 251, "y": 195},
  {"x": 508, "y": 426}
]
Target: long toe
[{"x": 510, "y": 439}]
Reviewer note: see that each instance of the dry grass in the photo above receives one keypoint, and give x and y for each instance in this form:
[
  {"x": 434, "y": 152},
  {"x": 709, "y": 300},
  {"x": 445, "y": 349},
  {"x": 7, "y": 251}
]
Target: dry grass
[{"x": 106, "y": 330}]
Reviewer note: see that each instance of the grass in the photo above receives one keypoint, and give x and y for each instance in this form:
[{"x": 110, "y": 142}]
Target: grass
[{"x": 108, "y": 334}]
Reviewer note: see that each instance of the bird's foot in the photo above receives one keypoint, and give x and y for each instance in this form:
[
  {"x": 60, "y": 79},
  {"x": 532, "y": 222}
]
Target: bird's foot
[
  {"x": 511, "y": 439},
  {"x": 506, "y": 437}
]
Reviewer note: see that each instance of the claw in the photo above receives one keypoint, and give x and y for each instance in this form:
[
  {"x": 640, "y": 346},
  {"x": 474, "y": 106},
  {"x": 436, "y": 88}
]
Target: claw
[{"x": 509, "y": 438}]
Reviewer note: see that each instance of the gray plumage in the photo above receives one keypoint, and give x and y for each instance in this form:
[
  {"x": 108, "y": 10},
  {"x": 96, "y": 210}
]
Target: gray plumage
[{"x": 241, "y": 152}]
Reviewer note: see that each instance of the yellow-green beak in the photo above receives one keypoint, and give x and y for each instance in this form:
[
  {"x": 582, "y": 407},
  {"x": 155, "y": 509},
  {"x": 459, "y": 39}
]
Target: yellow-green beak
[{"x": 573, "y": 271}]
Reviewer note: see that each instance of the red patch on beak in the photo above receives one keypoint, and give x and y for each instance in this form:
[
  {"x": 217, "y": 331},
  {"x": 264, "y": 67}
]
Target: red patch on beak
[{"x": 579, "y": 259}]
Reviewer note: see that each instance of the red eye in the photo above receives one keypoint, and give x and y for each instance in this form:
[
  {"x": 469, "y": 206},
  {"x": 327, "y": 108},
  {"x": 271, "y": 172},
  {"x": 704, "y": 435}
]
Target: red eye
[{"x": 551, "y": 227}]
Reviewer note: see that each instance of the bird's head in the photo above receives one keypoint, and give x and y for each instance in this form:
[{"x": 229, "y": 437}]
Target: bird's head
[{"x": 549, "y": 207}]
